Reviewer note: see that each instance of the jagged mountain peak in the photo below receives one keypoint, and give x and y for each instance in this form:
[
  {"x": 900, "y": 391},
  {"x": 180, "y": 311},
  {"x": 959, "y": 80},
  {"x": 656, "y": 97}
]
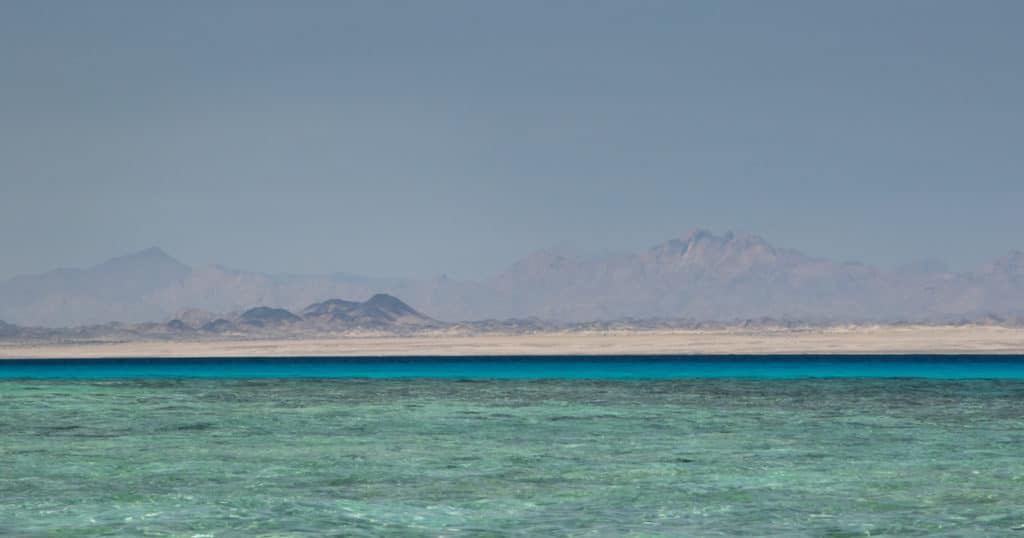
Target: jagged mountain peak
[
  {"x": 701, "y": 234},
  {"x": 701, "y": 243},
  {"x": 737, "y": 239}
]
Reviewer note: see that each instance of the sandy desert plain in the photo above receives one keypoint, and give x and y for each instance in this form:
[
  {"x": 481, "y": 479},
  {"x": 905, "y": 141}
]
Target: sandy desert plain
[{"x": 865, "y": 339}]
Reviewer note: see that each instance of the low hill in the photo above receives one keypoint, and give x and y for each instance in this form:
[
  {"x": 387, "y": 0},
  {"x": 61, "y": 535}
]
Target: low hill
[
  {"x": 379, "y": 311},
  {"x": 265, "y": 316}
]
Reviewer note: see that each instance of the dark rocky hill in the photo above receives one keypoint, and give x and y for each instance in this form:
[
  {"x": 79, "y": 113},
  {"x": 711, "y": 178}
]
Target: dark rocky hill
[
  {"x": 265, "y": 316},
  {"x": 379, "y": 311}
]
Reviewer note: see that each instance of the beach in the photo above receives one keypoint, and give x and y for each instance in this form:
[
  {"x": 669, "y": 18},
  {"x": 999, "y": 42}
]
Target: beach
[{"x": 834, "y": 340}]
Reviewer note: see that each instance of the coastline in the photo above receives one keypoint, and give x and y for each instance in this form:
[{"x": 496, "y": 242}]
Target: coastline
[{"x": 859, "y": 340}]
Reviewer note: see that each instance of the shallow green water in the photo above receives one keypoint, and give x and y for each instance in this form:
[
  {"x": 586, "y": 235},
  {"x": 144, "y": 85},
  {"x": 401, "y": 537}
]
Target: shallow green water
[{"x": 408, "y": 457}]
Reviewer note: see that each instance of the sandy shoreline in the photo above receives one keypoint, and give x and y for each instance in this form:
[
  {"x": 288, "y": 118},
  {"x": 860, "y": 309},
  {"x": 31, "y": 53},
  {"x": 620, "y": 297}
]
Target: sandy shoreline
[{"x": 838, "y": 340}]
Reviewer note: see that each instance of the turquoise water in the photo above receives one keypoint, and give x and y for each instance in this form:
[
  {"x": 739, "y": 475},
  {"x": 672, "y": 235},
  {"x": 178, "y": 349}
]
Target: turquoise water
[
  {"x": 730, "y": 450},
  {"x": 618, "y": 367}
]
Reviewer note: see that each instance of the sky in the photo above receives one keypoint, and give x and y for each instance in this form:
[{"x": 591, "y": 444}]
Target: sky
[{"x": 423, "y": 138}]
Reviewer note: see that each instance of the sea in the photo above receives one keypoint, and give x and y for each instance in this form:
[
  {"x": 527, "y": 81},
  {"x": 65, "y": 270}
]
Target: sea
[{"x": 836, "y": 446}]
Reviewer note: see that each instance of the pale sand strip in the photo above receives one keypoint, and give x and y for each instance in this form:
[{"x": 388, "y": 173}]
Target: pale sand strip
[{"x": 867, "y": 340}]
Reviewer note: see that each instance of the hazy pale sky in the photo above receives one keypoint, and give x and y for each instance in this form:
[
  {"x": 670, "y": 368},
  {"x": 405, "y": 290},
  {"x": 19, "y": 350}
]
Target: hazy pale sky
[{"x": 417, "y": 138}]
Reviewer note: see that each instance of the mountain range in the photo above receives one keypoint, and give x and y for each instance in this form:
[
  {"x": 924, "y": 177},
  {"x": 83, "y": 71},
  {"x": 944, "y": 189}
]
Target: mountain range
[
  {"x": 698, "y": 276},
  {"x": 379, "y": 314}
]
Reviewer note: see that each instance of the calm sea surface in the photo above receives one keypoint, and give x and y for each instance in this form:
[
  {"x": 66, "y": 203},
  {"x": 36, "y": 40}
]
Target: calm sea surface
[{"x": 625, "y": 446}]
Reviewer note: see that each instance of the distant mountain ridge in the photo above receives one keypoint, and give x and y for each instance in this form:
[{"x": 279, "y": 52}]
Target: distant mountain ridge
[
  {"x": 698, "y": 276},
  {"x": 381, "y": 313}
]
